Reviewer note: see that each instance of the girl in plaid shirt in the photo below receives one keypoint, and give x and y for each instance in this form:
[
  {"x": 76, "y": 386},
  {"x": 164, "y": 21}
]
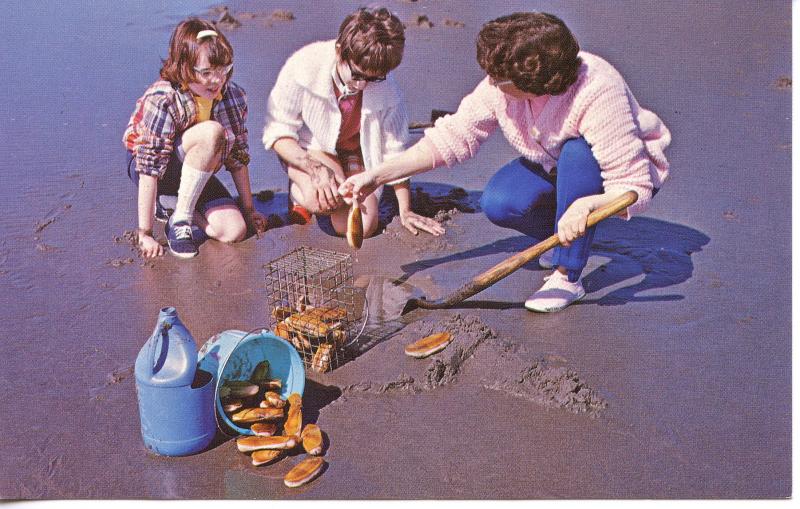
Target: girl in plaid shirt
[{"x": 184, "y": 128}]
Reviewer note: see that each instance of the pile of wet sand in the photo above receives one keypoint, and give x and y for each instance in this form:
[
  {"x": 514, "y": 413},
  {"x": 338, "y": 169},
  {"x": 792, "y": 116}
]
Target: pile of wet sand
[
  {"x": 552, "y": 385},
  {"x": 130, "y": 239},
  {"x": 440, "y": 369},
  {"x": 442, "y": 207},
  {"x": 468, "y": 332},
  {"x": 478, "y": 355}
]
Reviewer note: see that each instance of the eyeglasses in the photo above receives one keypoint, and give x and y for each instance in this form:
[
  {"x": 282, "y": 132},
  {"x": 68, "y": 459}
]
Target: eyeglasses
[
  {"x": 358, "y": 76},
  {"x": 208, "y": 73}
]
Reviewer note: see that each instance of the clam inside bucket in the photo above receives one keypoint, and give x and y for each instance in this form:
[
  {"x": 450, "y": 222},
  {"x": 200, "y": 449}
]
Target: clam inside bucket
[{"x": 248, "y": 366}]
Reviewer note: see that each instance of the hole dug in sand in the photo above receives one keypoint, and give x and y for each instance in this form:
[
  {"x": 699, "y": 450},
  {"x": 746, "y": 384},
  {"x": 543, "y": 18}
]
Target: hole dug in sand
[{"x": 477, "y": 355}]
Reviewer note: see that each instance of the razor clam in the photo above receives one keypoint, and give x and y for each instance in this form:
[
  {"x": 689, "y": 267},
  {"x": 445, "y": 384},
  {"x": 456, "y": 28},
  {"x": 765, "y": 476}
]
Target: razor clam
[{"x": 304, "y": 471}]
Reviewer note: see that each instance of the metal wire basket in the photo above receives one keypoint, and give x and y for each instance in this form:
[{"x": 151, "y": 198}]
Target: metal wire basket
[{"x": 312, "y": 303}]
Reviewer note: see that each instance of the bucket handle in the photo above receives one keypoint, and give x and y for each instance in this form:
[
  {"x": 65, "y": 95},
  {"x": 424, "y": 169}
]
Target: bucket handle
[
  {"x": 363, "y": 325},
  {"x": 258, "y": 329}
]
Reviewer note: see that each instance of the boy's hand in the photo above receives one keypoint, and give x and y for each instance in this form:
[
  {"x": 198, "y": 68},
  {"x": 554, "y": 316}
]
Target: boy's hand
[
  {"x": 325, "y": 181},
  {"x": 357, "y": 187},
  {"x": 148, "y": 246},
  {"x": 413, "y": 222}
]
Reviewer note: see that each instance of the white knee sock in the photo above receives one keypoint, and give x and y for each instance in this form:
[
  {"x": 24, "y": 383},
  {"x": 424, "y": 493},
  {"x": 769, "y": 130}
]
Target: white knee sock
[{"x": 192, "y": 183}]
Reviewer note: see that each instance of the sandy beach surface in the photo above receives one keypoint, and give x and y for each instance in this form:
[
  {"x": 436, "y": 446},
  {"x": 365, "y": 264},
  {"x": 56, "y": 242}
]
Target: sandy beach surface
[{"x": 672, "y": 379}]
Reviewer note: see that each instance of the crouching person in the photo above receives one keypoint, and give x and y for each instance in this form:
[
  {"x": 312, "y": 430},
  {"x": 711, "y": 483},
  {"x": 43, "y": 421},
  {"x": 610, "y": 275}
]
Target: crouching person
[
  {"x": 335, "y": 110},
  {"x": 184, "y": 128}
]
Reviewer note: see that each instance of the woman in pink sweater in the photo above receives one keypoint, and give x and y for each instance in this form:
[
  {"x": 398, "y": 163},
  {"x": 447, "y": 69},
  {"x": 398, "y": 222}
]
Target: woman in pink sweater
[{"x": 583, "y": 138}]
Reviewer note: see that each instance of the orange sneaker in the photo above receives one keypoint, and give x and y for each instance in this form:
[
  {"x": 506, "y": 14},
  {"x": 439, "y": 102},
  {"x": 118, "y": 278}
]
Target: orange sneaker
[{"x": 299, "y": 215}]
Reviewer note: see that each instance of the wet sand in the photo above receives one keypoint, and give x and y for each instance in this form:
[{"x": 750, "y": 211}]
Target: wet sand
[{"x": 672, "y": 379}]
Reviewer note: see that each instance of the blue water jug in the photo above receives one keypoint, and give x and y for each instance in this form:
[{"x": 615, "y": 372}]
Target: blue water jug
[{"x": 176, "y": 400}]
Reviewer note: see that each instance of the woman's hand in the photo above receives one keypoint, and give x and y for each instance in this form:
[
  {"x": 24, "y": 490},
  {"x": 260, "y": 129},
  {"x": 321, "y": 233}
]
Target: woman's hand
[
  {"x": 414, "y": 222},
  {"x": 357, "y": 187},
  {"x": 572, "y": 224},
  {"x": 148, "y": 246},
  {"x": 325, "y": 181}
]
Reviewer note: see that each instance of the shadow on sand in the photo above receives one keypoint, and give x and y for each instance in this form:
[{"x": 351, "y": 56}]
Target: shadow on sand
[
  {"x": 427, "y": 199},
  {"x": 659, "y": 250}
]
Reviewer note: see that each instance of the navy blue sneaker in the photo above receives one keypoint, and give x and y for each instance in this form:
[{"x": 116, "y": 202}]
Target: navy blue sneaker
[
  {"x": 179, "y": 239},
  {"x": 162, "y": 214}
]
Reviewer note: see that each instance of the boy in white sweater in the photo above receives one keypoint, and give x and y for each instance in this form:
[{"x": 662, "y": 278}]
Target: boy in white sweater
[{"x": 335, "y": 111}]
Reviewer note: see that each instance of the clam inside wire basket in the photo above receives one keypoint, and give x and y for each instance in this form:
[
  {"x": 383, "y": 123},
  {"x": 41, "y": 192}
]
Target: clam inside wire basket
[{"x": 313, "y": 305}]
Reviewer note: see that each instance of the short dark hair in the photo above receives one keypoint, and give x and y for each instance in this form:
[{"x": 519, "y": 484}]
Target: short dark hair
[
  {"x": 373, "y": 39},
  {"x": 178, "y": 68},
  {"x": 535, "y": 50}
]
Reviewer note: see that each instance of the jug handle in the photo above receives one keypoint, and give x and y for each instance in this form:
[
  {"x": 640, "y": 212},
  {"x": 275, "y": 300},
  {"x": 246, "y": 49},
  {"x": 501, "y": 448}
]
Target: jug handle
[{"x": 164, "y": 328}]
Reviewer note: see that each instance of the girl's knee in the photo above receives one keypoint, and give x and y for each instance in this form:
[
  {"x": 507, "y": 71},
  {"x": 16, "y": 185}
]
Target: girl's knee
[
  {"x": 209, "y": 134},
  {"x": 233, "y": 234},
  {"x": 212, "y": 129},
  {"x": 229, "y": 231}
]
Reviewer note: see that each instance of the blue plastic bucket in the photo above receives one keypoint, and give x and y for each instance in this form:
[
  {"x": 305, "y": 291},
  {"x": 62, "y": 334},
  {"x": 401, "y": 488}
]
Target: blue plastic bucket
[{"x": 234, "y": 354}]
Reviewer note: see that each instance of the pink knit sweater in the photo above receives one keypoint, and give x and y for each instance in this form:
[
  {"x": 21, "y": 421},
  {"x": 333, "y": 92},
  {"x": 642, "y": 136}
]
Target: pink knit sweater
[{"x": 627, "y": 140}]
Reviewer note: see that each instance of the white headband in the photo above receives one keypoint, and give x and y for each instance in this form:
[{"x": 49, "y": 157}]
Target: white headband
[{"x": 206, "y": 33}]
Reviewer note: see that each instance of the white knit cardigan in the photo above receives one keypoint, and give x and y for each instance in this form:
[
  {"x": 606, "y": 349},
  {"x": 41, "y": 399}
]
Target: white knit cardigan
[{"x": 303, "y": 106}]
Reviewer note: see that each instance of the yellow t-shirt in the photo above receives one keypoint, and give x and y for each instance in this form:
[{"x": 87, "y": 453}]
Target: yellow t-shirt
[{"x": 203, "y": 108}]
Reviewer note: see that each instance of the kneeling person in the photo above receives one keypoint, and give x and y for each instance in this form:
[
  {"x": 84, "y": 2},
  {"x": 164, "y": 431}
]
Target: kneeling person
[{"x": 335, "y": 110}]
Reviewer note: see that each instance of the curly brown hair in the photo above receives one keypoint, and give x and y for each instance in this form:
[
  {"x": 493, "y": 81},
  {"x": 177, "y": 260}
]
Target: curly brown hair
[
  {"x": 178, "y": 68},
  {"x": 373, "y": 39},
  {"x": 535, "y": 50}
]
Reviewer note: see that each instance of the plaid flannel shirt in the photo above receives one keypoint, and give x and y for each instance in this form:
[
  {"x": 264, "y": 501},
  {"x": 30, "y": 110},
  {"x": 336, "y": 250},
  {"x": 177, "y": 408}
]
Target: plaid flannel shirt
[{"x": 165, "y": 111}]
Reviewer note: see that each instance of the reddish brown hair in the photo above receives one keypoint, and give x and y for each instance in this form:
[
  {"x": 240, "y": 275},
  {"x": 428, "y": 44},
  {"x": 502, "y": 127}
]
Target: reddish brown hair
[
  {"x": 372, "y": 39},
  {"x": 535, "y": 50},
  {"x": 178, "y": 68}
]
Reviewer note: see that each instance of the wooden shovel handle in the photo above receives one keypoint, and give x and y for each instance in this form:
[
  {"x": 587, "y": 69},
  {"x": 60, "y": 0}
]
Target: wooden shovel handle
[{"x": 511, "y": 264}]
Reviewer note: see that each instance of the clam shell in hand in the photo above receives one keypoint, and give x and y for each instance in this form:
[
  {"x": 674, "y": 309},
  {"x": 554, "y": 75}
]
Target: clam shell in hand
[{"x": 355, "y": 227}]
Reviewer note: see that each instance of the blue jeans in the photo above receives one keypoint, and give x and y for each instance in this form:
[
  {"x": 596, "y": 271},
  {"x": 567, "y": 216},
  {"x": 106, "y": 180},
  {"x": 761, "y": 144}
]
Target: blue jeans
[{"x": 524, "y": 197}]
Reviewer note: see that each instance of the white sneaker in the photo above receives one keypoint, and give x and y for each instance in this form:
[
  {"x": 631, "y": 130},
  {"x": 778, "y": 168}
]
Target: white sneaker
[
  {"x": 555, "y": 294},
  {"x": 546, "y": 259}
]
